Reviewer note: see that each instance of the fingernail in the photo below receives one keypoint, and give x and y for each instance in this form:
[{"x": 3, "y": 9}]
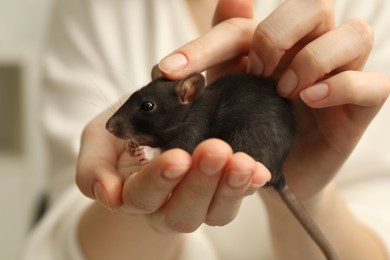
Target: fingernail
[
  {"x": 287, "y": 83},
  {"x": 315, "y": 93},
  {"x": 212, "y": 164},
  {"x": 255, "y": 65},
  {"x": 238, "y": 180},
  {"x": 173, "y": 63},
  {"x": 101, "y": 195}
]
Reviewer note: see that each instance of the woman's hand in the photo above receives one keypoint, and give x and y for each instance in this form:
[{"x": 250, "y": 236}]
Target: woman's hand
[
  {"x": 318, "y": 67},
  {"x": 310, "y": 58},
  {"x": 176, "y": 192}
]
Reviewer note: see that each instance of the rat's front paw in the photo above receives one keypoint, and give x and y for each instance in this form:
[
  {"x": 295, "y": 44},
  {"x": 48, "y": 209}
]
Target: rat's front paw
[
  {"x": 141, "y": 155},
  {"x": 145, "y": 154}
]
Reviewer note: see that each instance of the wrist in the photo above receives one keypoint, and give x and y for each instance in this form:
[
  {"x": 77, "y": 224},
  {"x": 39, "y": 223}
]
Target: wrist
[
  {"x": 290, "y": 235},
  {"x": 105, "y": 234},
  {"x": 332, "y": 216},
  {"x": 314, "y": 203}
]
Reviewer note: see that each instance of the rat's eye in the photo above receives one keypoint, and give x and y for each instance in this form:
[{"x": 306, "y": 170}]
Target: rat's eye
[{"x": 147, "y": 106}]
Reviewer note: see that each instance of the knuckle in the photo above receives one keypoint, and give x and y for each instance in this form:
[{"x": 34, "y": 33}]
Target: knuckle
[
  {"x": 200, "y": 189},
  {"x": 232, "y": 197},
  {"x": 159, "y": 185},
  {"x": 219, "y": 221},
  {"x": 201, "y": 46},
  {"x": 226, "y": 212},
  {"x": 241, "y": 26},
  {"x": 362, "y": 32},
  {"x": 309, "y": 58},
  {"x": 309, "y": 55},
  {"x": 378, "y": 93},
  {"x": 131, "y": 205},
  {"x": 243, "y": 30},
  {"x": 181, "y": 226},
  {"x": 266, "y": 33},
  {"x": 350, "y": 81},
  {"x": 322, "y": 8},
  {"x": 236, "y": 23}
]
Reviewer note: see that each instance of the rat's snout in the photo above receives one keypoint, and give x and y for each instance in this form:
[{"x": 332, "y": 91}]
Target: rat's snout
[
  {"x": 116, "y": 127},
  {"x": 110, "y": 125}
]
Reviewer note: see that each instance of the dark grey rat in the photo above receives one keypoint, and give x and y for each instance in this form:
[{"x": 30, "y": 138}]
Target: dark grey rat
[{"x": 243, "y": 110}]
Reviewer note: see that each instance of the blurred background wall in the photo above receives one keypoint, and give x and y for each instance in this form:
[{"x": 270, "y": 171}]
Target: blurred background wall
[{"x": 22, "y": 174}]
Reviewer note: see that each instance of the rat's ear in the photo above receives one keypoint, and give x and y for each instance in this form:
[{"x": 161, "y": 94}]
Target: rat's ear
[
  {"x": 189, "y": 88},
  {"x": 156, "y": 73}
]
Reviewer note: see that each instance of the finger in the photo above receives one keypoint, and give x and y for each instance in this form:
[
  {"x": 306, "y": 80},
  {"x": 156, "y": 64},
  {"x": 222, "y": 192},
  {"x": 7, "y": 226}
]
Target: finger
[
  {"x": 100, "y": 181},
  {"x": 363, "y": 89},
  {"x": 187, "y": 207},
  {"x": 227, "y": 9},
  {"x": 147, "y": 190},
  {"x": 96, "y": 175},
  {"x": 346, "y": 47},
  {"x": 234, "y": 186},
  {"x": 208, "y": 50},
  {"x": 283, "y": 29}
]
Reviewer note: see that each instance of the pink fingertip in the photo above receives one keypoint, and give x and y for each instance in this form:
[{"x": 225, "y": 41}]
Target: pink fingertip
[
  {"x": 173, "y": 63},
  {"x": 261, "y": 176}
]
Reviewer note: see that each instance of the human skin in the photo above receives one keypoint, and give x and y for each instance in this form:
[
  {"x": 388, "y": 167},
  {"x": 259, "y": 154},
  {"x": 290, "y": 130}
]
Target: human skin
[{"x": 337, "y": 102}]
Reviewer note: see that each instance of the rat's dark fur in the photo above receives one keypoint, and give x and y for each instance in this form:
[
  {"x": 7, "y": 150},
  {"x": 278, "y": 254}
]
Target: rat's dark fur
[
  {"x": 243, "y": 110},
  {"x": 251, "y": 117}
]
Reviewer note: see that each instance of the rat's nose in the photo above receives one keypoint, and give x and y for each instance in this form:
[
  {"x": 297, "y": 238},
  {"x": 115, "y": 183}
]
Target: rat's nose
[
  {"x": 110, "y": 125},
  {"x": 115, "y": 126},
  {"x": 110, "y": 129}
]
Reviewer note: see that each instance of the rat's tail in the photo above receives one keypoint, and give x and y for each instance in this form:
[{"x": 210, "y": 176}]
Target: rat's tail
[{"x": 307, "y": 222}]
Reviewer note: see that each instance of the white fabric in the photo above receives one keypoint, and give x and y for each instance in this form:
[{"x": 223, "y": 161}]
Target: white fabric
[
  {"x": 100, "y": 50},
  {"x": 56, "y": 236}
]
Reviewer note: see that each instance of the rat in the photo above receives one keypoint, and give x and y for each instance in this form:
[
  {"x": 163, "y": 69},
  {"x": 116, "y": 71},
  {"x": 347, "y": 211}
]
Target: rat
[{"x": 243, "y": 110}]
